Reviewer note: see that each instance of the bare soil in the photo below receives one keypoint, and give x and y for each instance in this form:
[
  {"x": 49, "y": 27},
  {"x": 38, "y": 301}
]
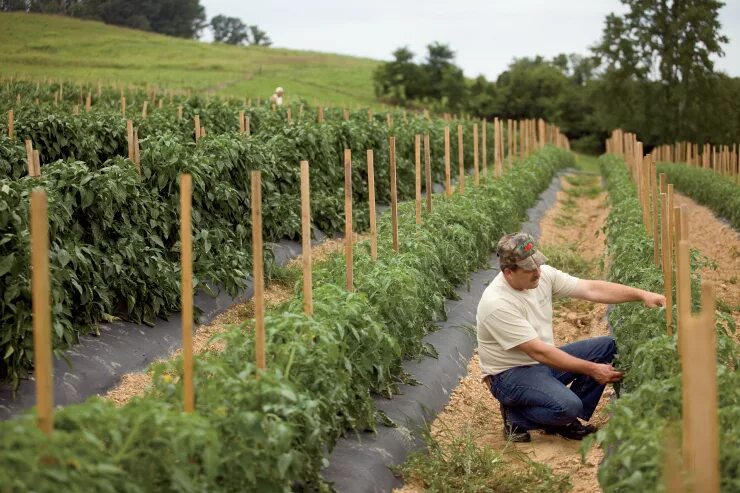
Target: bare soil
[{"x": 472, "y": 407}]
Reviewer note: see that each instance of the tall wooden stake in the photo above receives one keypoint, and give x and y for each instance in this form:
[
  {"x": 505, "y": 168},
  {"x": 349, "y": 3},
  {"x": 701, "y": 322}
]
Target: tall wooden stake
[
  {"x": 448, "y": 178},
  {"x": 699, "y": 384},
  {"x": 29, "y": 158},
  {"x": 348, "y": 219},
  {"x": 259, "y": 276},
  {"x": 484, "y": 148},
  {"x": 461, "y": 160},
  {"x": 394, "y": 198},
  {"x": 40, "y": 297},
  {"x": 371, "y": 199},
  {"x": 428, "y": 171},
  {"x": 306, "y": 239},
  {"x": 186, "y": 252},
  {"x": 417, "y": 162},
  {"x": 476, "y": 170},
  {"x": 667, "y": 261}
]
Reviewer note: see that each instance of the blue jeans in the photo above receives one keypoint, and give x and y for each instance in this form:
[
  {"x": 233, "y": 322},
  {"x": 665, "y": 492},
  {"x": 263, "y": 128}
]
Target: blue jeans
[{"x": 537, "y": 396}]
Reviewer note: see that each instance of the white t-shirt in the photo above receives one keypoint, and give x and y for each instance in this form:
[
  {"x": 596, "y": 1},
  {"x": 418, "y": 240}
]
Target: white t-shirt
[{"x": 507, "y": 317}]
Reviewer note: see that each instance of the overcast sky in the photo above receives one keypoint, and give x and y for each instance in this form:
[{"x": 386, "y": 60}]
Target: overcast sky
[{"x": 485, "y": 35}]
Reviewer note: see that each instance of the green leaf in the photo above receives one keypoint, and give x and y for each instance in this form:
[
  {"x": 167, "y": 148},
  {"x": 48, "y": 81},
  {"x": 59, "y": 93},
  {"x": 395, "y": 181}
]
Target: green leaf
[
  {"x": 6, "y": 263},
  {"x": 63, "y": 257}
]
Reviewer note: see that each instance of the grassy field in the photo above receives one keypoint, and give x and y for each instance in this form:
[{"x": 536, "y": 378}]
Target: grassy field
[{"x": 40, "y": 46}]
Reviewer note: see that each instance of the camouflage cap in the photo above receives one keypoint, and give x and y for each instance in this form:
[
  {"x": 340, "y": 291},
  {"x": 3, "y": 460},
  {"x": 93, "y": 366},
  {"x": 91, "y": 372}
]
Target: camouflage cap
[{"x": 519, "y": 249}]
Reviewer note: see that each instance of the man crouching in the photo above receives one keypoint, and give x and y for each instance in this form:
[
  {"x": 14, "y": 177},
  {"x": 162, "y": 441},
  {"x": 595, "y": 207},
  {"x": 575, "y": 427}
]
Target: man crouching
[{"x": 524, "y": 370}]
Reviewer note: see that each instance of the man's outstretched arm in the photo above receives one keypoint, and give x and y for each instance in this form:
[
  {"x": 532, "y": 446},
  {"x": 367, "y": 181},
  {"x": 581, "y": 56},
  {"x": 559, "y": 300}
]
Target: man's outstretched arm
[{"x": 611, "y": 292}]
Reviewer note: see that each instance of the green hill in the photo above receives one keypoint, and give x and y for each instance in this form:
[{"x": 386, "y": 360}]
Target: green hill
[{"x": 40, "y": 46}]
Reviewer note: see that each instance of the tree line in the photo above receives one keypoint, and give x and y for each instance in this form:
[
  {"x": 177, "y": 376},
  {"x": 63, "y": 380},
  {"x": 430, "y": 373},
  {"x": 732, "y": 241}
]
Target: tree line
[
  {"x": 650, "y": 73},
  {"x": 180, "y": 18}
]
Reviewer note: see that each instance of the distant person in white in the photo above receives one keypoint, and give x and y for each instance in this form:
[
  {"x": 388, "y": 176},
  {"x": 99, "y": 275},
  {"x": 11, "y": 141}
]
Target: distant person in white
[
  {"x": 277, "y": 97},
  {"x": 524, "y": 370}
]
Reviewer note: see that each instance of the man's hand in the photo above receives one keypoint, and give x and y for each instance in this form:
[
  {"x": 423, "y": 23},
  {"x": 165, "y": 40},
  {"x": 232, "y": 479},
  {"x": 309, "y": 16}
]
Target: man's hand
[
  {"x": 605, "y": 373},
  {"x": 653, "y": 300}
]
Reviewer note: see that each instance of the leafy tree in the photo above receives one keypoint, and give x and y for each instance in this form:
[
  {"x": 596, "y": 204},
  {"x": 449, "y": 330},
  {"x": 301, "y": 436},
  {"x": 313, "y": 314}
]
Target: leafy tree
[
  {"x": 259, "y": 37},
  {"x": 398, "y": 82},
  {"x": 437, "y": 67},
  {"x": 670, "y": 41},
  {"x": 13, "y": 5},
  {"x": 229, "y": 30},
  {"x": 531, "y": 88},
  {"x": 180, "y": 18}
]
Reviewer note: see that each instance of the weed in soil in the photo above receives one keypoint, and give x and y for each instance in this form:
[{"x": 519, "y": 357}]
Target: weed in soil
[{"x": 464, "y": 463}]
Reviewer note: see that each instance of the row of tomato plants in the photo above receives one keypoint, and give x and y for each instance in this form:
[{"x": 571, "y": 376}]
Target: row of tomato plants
[
  {"x": 273, "y": 433},
  {"x": 96, "y": 136},
  {"x": 114, "y": 236},
  {"x": 719, "y": 193},
  {"x": 651, "y": 390}
]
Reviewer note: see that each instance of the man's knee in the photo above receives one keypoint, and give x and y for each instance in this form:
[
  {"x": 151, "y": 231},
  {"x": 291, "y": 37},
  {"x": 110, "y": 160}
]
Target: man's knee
[{"x": 570, "y": 409}]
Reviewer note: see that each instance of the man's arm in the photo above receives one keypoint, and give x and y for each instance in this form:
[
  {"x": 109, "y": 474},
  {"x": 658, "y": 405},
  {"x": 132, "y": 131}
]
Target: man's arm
[
  {"x": 557, "y": 358},
  {"x": 611, "y": 292}
]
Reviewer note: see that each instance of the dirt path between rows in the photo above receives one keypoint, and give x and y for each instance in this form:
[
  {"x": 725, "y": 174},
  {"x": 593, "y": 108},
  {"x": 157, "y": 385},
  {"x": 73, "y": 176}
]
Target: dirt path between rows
[
  {"x": 720, "y": 243},
  {"x": 137, "y": 384},
  {"x": 573, "y": 225}
]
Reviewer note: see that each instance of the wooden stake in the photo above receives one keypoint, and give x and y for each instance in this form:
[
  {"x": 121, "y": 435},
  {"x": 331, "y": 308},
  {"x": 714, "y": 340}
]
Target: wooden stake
[
  {"x": 11, "y": 124},
  {"x": 320, "y": 117},
  {"x": 186, "y": 258},
  {"x": 389, "y": 120},
  {"x": 394, "y": 199},
  {"x": 29, "y": 158},
  {"x": 197, "y": 127},
  {"x": 130, "y": 139},
  {"x": 144, "y": 110},
  {"x": 476, "y": 170},
  {"x": 179, "y": 112},
  {"x": 417, "y": 162},
  {"x": 448, "y": 178},
  {"x": 306, "y": 239},
  {"x": 258, "y": 275},
  {"x": 288, "y": 116},
  {"x": 497, "y": 147},
  {"x": 428, "y": 171},
  {"x": 348, "y": 257},
  {"x": 36, "y": 163},
  {"x": 40, "y": 297},
  {"x": 461, "y": 160},
  {"x": 246, "y": 126},
  {"x": 699, "y": 384},
  {"x": 137, "y": 155},
  {"x": 673, "y": 476},
  {"x": 484, "y": 149},
  {"x": 371, "y": 199},
  {"x": 242, "y": 127},
  {"x": 123, "y": 106},
  {"x": 667, "y": 261}
]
